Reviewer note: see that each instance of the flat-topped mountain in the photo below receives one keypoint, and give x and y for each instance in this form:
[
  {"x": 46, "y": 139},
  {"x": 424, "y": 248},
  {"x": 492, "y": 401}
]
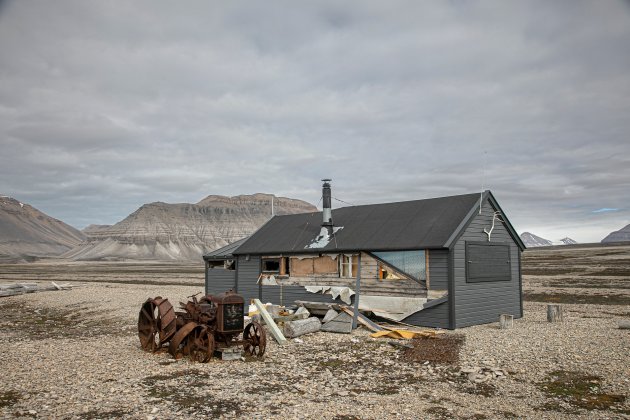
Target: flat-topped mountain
[
  {"x": 26, "y": 232},
  {"x": 162, "y": 231}
]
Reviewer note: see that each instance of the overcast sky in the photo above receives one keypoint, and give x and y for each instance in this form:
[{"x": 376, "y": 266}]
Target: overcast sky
[{"x": 105, "y": 106}]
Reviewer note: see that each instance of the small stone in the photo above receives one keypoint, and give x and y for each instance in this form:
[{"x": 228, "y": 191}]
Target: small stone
[
  {"x": 32, "y": 412},
  {"x": 155, "y": 410}
]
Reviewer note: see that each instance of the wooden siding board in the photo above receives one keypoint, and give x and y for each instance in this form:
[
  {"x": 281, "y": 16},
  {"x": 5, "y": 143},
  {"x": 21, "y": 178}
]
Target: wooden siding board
[
  {"x": 220, "y": 280},
  {"x": 292, "y": 293},
  {"x": 248, "y": 273},
  {"x": 483, "y": 302},
  {"x": 438, "y": 266}
]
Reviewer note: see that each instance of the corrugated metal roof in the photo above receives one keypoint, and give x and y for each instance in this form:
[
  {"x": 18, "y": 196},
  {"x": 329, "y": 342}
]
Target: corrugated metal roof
[
  {"x": 224, "y": 252},
  {"x": 404, "y": 225}
]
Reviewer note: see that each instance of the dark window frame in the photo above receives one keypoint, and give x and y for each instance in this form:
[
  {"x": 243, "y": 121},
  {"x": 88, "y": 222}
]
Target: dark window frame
[
  {"x": 488, "y": 278},
  {"x": 273, "y": 259}
]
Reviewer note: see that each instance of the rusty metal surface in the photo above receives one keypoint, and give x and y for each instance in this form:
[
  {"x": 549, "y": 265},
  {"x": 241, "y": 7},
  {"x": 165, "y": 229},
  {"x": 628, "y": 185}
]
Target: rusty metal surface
[
  {"x": 156, "y": 323},
  {"x": 200, "y": 328},
  {"x": 254, "y": 339},
  {"x": 177, "y": 347}
]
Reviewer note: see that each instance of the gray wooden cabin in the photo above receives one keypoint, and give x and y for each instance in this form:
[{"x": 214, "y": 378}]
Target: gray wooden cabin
[{"x": 434, "y": 249}]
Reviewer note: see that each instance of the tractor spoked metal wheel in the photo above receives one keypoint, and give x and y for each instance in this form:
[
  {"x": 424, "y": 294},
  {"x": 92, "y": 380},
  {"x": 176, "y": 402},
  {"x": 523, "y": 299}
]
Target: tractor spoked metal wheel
[
  {"x": 156, "y": 323},
  {"x": 254, "y": 339},
  {"x": 201, "y": 344},
  {"x": 179, "y": 345}
]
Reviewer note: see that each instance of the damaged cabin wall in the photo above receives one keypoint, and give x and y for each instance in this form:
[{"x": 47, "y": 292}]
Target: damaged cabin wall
[
  {"x": 483, "y": 302},
  {"x": 437, "y": 316},
  {"x": 372, "y": 285},
  {"x": 327, "y": 274},
  {"x": 247, "y": 277},
  {"x": 286, "y": 295},
  {"x": 218, "y": 280}
]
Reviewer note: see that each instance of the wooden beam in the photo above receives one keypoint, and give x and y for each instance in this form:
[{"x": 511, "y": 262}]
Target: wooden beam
[
  {"x": 357, "y": 293},
  {"x": 363, "y": 320},
  {"x": 275, "y": 331}
]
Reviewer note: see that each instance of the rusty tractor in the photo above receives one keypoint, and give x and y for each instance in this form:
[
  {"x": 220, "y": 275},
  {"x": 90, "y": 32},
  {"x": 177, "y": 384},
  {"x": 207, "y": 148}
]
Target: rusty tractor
[{"x": 214, "y": 322}]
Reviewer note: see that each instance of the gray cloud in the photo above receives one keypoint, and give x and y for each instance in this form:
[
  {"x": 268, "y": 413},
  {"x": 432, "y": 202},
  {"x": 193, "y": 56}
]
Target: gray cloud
[{"x": 105, "y": 106}]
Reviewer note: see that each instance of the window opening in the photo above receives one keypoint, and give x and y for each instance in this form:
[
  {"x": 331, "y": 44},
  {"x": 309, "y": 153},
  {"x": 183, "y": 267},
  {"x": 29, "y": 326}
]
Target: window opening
[
  {"x": 271, "y": 265},
  {"x": 386, "y": 273},
  {"x": 411, "y": 263},
  {"x": 216, "y": 264},
  {"x": 347, "y": 266}
]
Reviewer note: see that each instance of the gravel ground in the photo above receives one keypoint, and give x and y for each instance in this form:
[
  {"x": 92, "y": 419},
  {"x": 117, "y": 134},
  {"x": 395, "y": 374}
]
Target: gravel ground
[{"x": 75, "y": 354}]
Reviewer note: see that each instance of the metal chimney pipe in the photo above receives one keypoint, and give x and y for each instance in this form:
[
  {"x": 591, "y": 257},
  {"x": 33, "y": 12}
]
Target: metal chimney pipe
[{"x": 326, "y": 199}]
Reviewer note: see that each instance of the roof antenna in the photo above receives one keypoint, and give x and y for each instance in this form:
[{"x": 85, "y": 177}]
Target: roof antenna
[{"x": 483, "y": 179}]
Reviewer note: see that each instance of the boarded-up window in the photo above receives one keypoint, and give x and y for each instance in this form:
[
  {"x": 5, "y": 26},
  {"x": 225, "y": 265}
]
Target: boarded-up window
[
  {"x": 325, "y": 265},
  {"x": 301, "y": 267},
  {"x": 313, "y": 266},
  {"x": 487, "y": 261}
]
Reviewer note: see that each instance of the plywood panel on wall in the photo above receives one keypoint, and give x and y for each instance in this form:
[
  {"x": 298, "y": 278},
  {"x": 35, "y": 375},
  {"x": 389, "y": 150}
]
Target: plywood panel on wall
[
  {"x": 325, "y": 265},
  {"x": 301, "y": 267}
]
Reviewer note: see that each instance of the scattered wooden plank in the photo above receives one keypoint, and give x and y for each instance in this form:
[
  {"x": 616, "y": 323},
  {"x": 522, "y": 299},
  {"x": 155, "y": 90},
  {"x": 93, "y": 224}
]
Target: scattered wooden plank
[
  {"x": 56, "y": 285},
  {"x": 363, "y": 320},
  {"x": 399, "y": 344},
  {"x": 318, "y": 308},
  {"x": 275, "y": 331},
  {"x": 287, "y": 318},
  {"x": 405, "y": 334}
]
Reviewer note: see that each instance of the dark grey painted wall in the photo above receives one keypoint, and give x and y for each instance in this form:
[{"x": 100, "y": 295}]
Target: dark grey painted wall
[
  {"x": 438, "y": 269},
  {"x": 481, "y": 303},
  {"x": 436, "y": 317},
  {"x": 247, "y": 277},
  {"x": 219, "y": 280},
  {"x": 292, "y": 293}
]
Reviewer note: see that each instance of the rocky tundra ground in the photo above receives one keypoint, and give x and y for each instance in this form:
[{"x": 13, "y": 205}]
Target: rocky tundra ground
[{"x": 75, "y": 354}]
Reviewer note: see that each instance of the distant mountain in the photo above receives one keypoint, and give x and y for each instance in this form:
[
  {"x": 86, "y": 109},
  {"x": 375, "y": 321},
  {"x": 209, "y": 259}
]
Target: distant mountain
[
  {"x": 621, "y": 235},
  {"x": 531, "y": 241},
  {"x": 161, "y": 231},
  {"x": 27, "y": 233},
  {"x": 94, "y": 228},
  {"x": 568, "y": 241}
]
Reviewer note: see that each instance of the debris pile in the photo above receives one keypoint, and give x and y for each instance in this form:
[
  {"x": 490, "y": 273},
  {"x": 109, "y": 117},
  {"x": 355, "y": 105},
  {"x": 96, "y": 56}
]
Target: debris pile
[
  {"x": 310, "y": 317},
  {"x": 13, "y": 289}
]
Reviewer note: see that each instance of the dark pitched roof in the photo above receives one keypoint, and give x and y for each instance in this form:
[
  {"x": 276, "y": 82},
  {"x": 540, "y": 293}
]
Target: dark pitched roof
[
  {"x": 404, "y": 225},
  {"x": 224, "y": 252}
]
